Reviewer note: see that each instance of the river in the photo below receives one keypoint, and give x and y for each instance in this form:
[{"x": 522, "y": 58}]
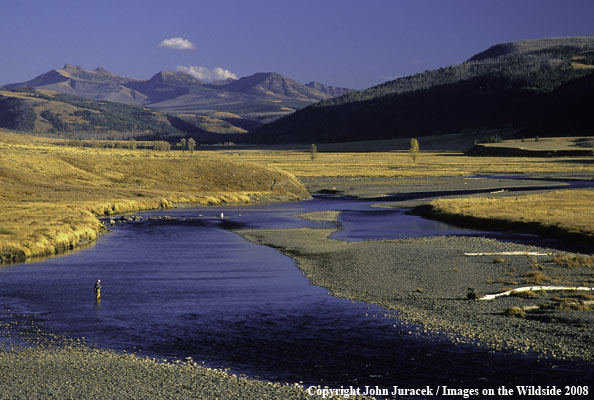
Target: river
[{"x": 187, "y": 286}]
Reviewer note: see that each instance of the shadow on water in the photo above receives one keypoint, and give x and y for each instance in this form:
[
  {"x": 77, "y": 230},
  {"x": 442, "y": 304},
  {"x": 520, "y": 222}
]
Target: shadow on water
[{"x": 188, "y": 287}]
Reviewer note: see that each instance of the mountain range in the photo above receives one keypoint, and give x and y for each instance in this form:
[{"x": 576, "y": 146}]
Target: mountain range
[
  {"x": 231, "y": 106},
  {"x": 531, "y": 87},
  {"x": 527, "y": 88}
]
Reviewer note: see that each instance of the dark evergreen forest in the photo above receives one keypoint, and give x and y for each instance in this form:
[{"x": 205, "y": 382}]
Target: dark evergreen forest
[{"x": 541, "y": 86}]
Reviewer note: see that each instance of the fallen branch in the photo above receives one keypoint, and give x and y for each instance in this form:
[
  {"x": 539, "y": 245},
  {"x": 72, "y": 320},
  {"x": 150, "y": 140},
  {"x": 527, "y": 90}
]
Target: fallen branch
[
  {"x": 509, "y": 253},
  {"x": 533, "y": 288}
]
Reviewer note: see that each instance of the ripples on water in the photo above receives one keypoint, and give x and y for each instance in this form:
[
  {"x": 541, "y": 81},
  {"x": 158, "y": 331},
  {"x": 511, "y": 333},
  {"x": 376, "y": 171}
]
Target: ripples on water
[{"x": 190, "y": 287}]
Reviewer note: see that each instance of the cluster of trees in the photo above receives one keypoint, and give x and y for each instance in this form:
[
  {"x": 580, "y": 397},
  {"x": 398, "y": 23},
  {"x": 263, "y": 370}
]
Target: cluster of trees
[
  {"x": 16, "y": 114},
  {"x": 188, "y": 144},
  {"x": 185, "y": 144},
  {"x": 161, "y": 145},
  {"x": 132, "y": 144},
  {"x": 54, "y": 119}
]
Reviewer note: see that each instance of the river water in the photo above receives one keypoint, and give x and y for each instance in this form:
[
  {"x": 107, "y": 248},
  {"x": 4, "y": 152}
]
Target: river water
[{"x": 189, "y": 287}]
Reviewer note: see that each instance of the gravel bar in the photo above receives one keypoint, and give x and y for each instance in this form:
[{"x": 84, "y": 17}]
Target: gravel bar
[
  {"x": 37, "y": 364},
  {"x": 427, "y": 279}
]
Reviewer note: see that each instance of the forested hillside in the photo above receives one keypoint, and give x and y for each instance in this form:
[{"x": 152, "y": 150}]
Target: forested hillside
[{"x": 527, "y": 85}]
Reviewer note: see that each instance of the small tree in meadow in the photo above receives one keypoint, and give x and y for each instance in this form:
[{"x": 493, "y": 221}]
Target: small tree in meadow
[
  {"x": 191, "y": 145},
  {"x": 313, "y": 152},
  {"x": 182, "y": 144},
  {"x": 161, "y": 145},
  {"x": 414, "y": 149}
]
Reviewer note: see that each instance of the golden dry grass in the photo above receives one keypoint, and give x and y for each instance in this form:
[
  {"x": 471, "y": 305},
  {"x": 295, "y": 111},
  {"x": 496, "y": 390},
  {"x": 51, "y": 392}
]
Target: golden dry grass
[
  {"x": 52, "y": 194},
  {"x": 225, "y": 114},
  {"x": 564, "y": 211},
  {"x": 576, "y": 65},
  {"x": 216, "y": 125},
  {"x": 567, "y": 211},
  {"x": 64, "y": 110},
  {"x": 400, "y": 163},
  {"x": 20, "y": 95},
  {"x": 550, "y": 143}
]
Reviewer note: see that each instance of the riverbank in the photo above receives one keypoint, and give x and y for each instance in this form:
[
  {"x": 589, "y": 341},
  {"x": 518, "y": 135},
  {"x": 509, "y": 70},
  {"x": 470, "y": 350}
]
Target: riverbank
[
  {"x": 565, "y": 214},
  {"x": 46, "y": 366},
  {"x": 53, "y": 194},
  {"x": 530, "y": 204},
  {"x": 426, "y": 281},
  {"x": 90, "y": 373}
]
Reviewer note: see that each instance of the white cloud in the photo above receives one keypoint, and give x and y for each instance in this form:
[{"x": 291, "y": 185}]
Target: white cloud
[
  {"x": 205, "y": 74},
  {"x": 177, "y": 43}
]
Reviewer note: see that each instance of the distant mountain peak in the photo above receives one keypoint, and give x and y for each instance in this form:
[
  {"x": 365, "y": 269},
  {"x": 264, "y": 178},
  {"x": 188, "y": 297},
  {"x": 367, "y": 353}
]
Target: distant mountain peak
[
  {"x": 99, "y": 74},
  {"x": 270, "y": 75},
  {"x": 272, "y": 84},
  {"x": 72, "y": 67},
  {"x": 332, "y": 91},
  {"x": 175, "y": 79},
  {"x": 535, "y": 45}
]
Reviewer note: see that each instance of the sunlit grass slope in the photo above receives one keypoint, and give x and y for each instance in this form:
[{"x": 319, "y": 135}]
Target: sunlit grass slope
[
  {"x": 52, "y": 194},
  {"x": 564, "y": 213}
]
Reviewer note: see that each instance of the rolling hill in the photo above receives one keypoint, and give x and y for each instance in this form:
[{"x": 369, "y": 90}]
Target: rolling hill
[
  {"x": 532, "y": 87},
  {"x": 51, "y": 113}
]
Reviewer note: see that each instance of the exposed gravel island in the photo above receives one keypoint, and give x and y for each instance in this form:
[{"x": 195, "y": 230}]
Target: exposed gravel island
[{"x": 427, "y": 279}]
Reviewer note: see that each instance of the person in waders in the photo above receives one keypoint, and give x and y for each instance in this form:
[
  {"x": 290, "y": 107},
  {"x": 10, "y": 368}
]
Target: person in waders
[{"x": 98, "y": 289}]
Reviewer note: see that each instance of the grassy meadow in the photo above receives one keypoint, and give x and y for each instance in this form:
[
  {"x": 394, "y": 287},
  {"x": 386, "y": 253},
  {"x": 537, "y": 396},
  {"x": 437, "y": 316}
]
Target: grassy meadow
[
  {"x": 52, "y": 194},
  {"x": 400, "y": 163}
]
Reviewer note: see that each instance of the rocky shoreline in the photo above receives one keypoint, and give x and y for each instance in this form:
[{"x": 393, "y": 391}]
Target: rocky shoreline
[
  {"x": 427, "y": 279},
  {"x": 37, "y": 364}
]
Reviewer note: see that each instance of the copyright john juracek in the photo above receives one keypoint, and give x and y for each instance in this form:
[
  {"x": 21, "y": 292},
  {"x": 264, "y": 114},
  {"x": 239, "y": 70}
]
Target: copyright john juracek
[{"x": 427, "y": 391}]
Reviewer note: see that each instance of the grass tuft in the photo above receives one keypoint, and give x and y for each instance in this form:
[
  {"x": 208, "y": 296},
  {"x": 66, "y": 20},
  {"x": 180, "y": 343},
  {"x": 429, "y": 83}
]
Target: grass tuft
[
  {"x": 573, "y": 260},
  {"x": 515, "y": 311},
  {"x": 537, "y": 278},
  {"x": 528, "y": 294}
]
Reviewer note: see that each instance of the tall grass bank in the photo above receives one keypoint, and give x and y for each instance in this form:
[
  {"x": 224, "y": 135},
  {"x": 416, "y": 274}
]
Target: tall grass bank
[{"x": 52, "y": 195}]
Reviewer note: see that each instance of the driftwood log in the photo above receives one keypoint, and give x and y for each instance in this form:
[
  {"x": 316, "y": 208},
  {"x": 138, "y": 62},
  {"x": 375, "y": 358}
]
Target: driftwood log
[
  {"x": 508, "y": 253},
  {"x": 533, "y": 288}
]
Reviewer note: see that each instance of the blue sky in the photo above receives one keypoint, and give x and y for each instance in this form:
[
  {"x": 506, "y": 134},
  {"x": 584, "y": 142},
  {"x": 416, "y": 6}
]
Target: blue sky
[{"x": 346, "y": 43}]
